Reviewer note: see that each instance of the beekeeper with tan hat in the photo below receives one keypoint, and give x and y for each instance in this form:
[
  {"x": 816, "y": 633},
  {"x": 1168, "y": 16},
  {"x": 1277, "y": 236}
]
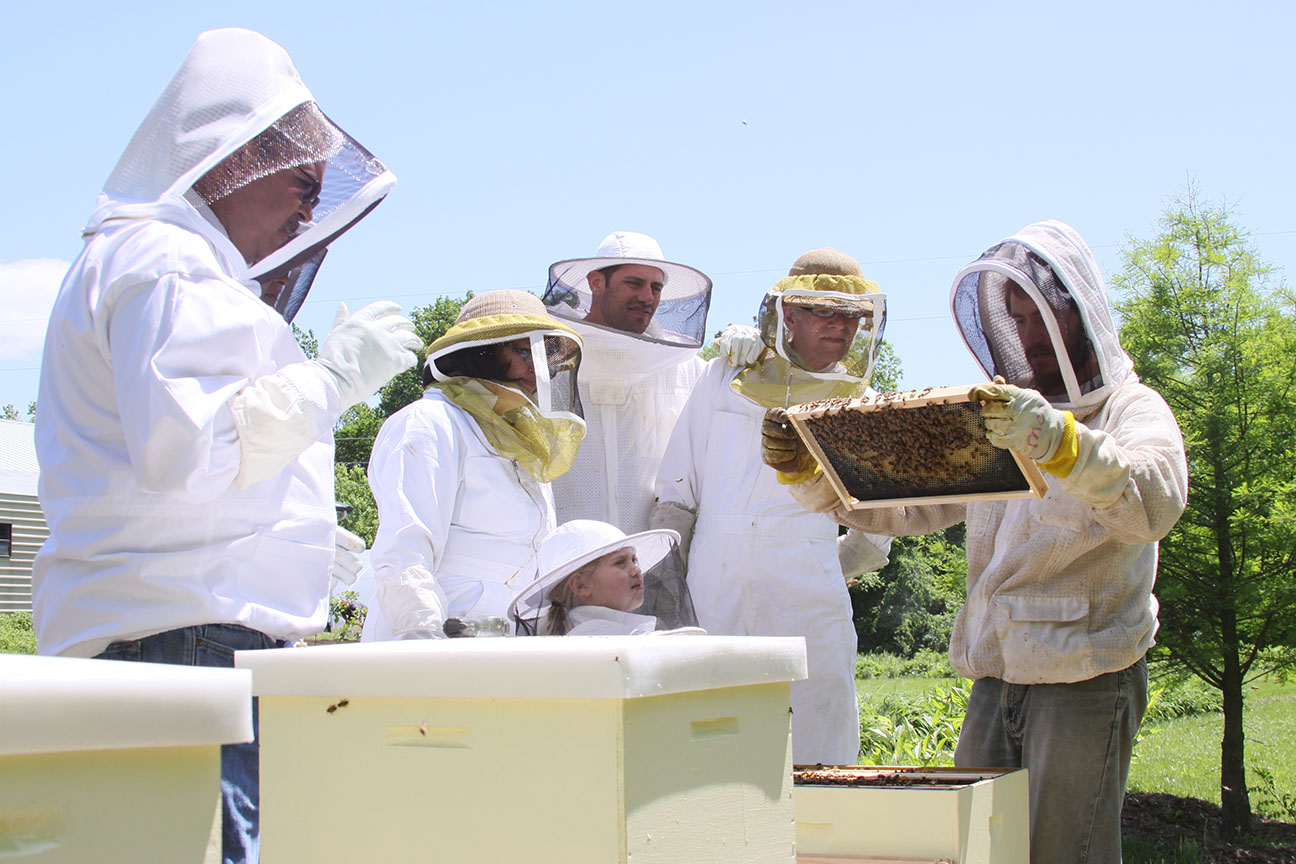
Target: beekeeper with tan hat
[
  {"x": 758, "y": 563},
  {"x": 461, "y": 476}
]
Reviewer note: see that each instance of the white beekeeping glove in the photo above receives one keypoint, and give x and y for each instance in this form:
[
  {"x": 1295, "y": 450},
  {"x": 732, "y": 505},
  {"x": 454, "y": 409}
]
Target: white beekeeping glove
[
  {"x": 278, "y": 416},
  {"x": 860, "y": 553},
  {"x": 413, "y": 604},
  {"x": 366, "y": 350},
  {"x": 347, "y": 563},
  {"x": 1024, "y": 421},
  {"x": 740, "y": 345}
]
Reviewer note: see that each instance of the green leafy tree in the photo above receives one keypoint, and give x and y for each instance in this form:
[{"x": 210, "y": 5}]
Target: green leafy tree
[
  {"x": 1211, "y": 328},
  {"x": 352, "y": 487},
  {"x": 910, "y": 604},
  {"x": 9, "y": 412}
]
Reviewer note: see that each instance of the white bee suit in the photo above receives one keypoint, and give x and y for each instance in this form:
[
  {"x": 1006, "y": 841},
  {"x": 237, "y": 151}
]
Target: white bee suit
[
  {"x": 760, "y": 564},
  {"x": 163, "y": 513},
  {"x": 632, "y": 392},
  {"x": 447, "y": 501}
]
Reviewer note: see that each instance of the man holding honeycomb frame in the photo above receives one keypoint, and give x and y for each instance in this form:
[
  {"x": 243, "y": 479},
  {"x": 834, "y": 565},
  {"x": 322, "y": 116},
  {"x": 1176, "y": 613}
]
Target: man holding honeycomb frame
[{"x": 1060, "y": 612}]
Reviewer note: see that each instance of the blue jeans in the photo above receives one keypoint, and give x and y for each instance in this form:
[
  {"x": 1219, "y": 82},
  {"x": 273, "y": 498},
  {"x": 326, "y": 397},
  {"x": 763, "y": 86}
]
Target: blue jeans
[
  {"x": 1076, "y": 741},
  {"x": 214, "y": 645}
]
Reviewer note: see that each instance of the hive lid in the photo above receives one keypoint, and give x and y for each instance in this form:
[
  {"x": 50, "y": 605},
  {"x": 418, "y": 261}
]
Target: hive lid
[
  {"x": 57, "y": 704},
  {"x": 568, "y": 667}
]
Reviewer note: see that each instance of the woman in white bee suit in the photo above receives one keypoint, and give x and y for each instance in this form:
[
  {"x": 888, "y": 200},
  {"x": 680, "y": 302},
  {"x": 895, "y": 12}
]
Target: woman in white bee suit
[
  {"x": 642, "y": 320},
  {"x": 596, "y": 581},
  {"x": 461, "y": 477},
  {"x": 758, "y": 563},
  {"x": 1059, "y": 611},
  {"x": 185, "y": 439}
]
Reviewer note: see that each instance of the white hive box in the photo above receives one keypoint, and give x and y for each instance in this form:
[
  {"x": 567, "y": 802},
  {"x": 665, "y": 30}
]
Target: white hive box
[
  {"x": 667, "y": 749},
  {"x": 112, "y": 762},
  {"x": 914, "y": 815}
]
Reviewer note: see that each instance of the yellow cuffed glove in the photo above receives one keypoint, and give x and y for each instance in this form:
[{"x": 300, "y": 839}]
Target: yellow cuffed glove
[
  {"x": 784, "y": 451},
  {"x": 1023, "y": 421}
]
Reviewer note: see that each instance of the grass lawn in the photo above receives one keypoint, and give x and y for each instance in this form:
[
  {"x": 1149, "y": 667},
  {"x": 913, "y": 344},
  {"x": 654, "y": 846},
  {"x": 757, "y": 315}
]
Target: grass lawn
[{"x": 1182, "y": 756}]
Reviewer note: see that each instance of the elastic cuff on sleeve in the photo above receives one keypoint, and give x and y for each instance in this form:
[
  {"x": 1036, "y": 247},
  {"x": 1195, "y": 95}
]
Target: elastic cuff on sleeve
[
  {"x": 800, "y": 477},
  {"x": 1067, "y": 452}
]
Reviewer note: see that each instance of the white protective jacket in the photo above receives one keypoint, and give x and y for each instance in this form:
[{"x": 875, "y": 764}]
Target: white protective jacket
[
  {"x": 156, "y": 326},
  {"x": 602, "y": 621},
  {"x": 632, "y": 392},
  {"x": 760, "y": 564},
  {"x": 446, "y": 501},
  {"x": 1060, "y": 588}
]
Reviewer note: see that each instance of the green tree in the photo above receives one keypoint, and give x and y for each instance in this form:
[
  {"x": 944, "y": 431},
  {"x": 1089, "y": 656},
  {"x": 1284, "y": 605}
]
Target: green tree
[
  {"x": 1211, "y": 328},
  {"x": 9, "y": 412},
  {"x": 910, "y": 604},
  {"x": 352, "y": 486}
]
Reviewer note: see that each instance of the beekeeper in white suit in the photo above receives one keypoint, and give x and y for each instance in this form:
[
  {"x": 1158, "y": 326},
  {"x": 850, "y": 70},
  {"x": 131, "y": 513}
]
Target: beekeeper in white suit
[
  {"x": 758, "y": 563},
  {"x": 184, "y": 439},
  {"x": 642, "y": 320},
  {"x": 1059, "y": 611},
  {"x": 461, "y": 476}
]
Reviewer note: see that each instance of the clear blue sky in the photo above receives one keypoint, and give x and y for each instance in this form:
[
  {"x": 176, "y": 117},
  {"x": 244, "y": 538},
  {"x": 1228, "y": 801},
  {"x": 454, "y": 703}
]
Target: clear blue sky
[{"x": 912, "y": 136}]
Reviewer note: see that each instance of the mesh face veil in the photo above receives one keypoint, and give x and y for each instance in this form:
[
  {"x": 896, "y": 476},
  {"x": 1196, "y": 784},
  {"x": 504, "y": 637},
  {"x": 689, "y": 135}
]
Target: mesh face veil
[
  {"x": 1021, "y": 321},
  {"x": 235, "y": 113},
  {"x": 679, "y": 319},
  {"x": 787, "y": 377},
  {"x": 513, "y": 368}
]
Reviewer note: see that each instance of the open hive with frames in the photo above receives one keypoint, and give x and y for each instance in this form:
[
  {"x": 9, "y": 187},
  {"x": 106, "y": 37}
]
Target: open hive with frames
[{"x": 912, "y": 447}]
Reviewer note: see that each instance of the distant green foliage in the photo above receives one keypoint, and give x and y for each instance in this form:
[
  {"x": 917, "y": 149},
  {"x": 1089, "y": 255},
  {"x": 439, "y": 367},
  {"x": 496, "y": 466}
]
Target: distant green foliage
[
  {"x": 16, "y": 633},
  {"x": 910, "y": 605},
  {"x": 352, "y": 487},
  {"x": 923, "y": 664}
]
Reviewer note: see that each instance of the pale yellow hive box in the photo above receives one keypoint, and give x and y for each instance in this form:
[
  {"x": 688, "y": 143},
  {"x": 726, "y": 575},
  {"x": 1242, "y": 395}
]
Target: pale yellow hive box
[
  {"x": 112, "y": 762},
  {"x": 919, "y": 815},
  {"x": 667, "y": 749}
]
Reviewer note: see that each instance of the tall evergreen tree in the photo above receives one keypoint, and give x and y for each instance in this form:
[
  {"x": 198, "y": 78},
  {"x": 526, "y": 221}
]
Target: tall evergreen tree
[{"x": 1212, "y": 329}]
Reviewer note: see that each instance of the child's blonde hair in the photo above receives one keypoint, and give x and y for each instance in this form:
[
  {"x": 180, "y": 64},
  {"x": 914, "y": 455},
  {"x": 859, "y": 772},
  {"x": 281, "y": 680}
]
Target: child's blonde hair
[{"x": 562, "y": 600}]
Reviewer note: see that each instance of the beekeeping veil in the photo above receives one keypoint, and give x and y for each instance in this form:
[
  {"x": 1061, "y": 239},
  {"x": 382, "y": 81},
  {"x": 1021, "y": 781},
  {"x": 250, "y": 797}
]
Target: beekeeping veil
[
  {"x": 1048, "y": 266},
  {"x": 540, "y": 429},
  {"x": 235, "y": 112},
  {"x": 821, "y": 279},
  {"x": 678, "y": 324},
  {"x": 574, "y": 544}
]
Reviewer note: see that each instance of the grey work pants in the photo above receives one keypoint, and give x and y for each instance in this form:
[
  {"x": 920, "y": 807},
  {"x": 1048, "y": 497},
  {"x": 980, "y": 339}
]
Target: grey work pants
[{"x": 1075, "y": 740}]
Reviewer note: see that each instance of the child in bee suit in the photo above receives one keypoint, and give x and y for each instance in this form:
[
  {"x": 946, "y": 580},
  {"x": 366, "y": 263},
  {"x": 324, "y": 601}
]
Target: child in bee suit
[
  {"x": 461, "y": 476},
  {"x": 758, "y": 563},
  {"x": 597, "y": 581},
  {"x": 1059, "y": 611}
]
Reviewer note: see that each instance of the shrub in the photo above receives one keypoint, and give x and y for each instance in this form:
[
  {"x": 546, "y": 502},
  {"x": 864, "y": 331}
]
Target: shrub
[
  {"x": 923, "y": 664},
  {"x": 17, "y": 635},
  {"x": 920, "y": 730}
]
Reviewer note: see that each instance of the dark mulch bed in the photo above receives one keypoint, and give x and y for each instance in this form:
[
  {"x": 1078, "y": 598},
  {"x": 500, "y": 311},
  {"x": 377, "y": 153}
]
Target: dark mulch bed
[{"x": 1168, "y": 820}]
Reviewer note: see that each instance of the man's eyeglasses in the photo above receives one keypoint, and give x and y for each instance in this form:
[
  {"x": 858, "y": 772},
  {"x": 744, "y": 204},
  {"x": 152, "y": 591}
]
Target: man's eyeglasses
[{"x": 823, "y": 312}]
